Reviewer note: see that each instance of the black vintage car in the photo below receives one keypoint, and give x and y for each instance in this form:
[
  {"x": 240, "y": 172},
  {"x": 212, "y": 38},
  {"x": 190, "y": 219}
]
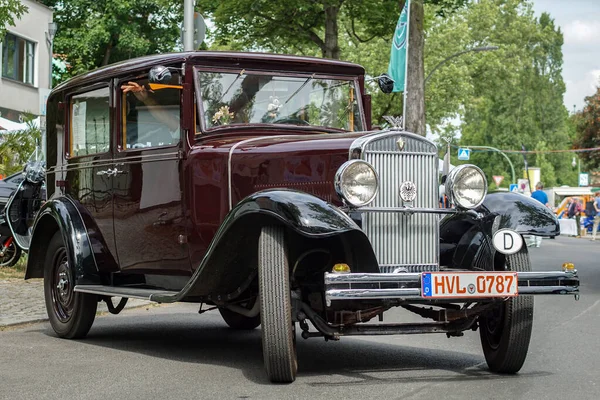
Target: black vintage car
[{"x": 252, "y": 183}]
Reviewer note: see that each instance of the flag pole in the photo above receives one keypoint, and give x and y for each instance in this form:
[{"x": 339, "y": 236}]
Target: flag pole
[{"x": 406, "y": 64}]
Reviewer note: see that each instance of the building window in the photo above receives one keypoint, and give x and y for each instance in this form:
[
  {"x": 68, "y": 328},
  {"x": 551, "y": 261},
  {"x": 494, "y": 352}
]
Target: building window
[{"x": 18, "y": 57}]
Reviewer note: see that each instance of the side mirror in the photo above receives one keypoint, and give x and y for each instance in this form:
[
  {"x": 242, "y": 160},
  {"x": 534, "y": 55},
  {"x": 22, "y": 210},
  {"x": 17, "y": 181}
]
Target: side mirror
[
  {"x": 159, "y": 74},
  {"x": 386, "y": 83}
]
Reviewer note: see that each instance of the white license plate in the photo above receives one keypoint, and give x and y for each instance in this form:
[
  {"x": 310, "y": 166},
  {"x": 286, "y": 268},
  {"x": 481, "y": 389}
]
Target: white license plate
[{"x": 469, "y": 284}]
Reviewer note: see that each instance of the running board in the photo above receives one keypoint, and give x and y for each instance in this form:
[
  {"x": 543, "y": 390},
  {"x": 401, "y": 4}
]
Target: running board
[{"x": 130, "y": 293}]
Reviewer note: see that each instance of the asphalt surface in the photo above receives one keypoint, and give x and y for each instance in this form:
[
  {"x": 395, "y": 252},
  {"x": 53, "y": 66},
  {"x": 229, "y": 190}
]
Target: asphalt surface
[{"x": 172, "y": 352}]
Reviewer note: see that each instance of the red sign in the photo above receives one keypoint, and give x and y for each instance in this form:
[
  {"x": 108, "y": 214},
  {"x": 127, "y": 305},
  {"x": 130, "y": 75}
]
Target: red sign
[{"x": 498, "y": 179}]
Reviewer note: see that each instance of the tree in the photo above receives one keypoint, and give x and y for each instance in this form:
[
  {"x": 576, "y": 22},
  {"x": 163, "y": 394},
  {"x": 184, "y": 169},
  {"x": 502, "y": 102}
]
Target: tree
[
  {"x": 517, "y": 90},
  {"x": 9, "y": 10},
  {"x": 96, "y": 33},
  {"x": 307, "y": 27},
  {"x": 588, "y": 130}
]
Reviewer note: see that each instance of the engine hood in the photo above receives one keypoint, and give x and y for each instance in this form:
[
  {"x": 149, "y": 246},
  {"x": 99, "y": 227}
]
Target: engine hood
[{"x": 306, "y": 163}]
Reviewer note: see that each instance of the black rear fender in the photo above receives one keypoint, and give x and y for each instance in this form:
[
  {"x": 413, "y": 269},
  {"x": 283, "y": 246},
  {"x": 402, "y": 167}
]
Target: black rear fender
[{"x": 61, "y": 215}]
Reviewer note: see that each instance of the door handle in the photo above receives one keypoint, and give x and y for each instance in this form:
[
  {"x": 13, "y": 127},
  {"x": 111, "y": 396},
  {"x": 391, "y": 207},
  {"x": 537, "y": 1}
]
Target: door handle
[{"x": 110, "y": 172}]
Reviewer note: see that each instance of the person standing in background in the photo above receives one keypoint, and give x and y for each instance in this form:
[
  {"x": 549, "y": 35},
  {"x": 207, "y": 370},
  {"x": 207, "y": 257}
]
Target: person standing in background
[
  {"x": 597, "y": 216},
  {"x": 542, "y": 197},
  {"x": 578, "y": 210}
]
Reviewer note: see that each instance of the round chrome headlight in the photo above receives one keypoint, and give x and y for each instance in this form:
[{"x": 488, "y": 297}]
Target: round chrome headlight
[
  {"x": 356, "y": 182},
  {"x": 466, "y": 186}
]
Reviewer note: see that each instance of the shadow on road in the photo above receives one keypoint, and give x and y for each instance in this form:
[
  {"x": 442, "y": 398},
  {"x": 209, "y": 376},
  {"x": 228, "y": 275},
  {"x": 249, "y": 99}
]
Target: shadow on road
[{"x": 184, "y": 338}]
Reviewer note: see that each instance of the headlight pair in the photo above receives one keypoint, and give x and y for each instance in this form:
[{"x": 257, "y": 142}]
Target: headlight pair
[{"x": 357, "y": 182}]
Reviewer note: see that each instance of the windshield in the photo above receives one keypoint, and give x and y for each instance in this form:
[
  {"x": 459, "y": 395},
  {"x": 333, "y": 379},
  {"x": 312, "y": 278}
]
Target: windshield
[{"x": 247, "y": 98}]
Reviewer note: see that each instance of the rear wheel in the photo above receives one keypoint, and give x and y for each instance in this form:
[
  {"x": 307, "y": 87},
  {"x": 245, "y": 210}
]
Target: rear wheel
[
  {"x": 71, "y": 313},
  {"x": 10, "y": 255},
  {"x": 239, "y": 321},
  {"x": 278, "y": 334},
  {"x": 505, "y": 331}
]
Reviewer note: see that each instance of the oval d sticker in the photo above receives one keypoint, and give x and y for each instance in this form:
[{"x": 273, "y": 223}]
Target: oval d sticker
[{"x": 507, "y": 241}]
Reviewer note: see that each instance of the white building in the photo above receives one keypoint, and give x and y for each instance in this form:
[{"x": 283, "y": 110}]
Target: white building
[{"x": 25, "y": 63}]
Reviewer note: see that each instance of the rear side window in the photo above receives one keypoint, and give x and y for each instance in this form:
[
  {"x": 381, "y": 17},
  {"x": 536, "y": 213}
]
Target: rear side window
[{"x": 90, "y": 123}]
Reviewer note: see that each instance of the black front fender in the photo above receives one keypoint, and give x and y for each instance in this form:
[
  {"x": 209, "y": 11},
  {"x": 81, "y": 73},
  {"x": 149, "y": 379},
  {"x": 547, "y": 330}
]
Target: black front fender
[
  {"x": 466, "y": 240},
  {"x": 304, "y": 213},
  {"x": 521, "y": 213},
  {"x": 60, "y": 214}
]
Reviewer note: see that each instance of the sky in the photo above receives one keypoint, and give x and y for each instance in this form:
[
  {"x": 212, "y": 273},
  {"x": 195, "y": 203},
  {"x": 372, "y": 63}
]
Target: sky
[{"x": 579, "y": 21}]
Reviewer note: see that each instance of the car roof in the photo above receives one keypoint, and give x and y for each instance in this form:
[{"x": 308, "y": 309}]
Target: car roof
[{"x": 219, "y": 59}]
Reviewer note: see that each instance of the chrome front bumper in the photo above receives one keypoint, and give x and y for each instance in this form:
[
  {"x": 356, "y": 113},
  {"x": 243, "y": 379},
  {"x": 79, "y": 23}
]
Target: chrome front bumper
[{"x": 407, "y": 286}]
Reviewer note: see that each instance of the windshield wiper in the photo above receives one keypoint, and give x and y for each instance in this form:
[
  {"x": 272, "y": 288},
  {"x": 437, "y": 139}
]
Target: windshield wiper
[
  {"x": 230, "y": 86},
  {"x": 299, "y": 89}
]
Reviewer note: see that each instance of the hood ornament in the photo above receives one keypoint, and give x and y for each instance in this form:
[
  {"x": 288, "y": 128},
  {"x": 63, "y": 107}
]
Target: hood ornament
[
  {"x": 401, "y": 143},
  {"x": 395, "y": 122}
]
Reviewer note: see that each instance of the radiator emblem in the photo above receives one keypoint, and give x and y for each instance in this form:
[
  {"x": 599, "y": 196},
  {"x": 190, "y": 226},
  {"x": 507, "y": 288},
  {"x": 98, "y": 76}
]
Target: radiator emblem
[
  {"x": 401, "y": 143},
  {"x": 408, "y": 191}
]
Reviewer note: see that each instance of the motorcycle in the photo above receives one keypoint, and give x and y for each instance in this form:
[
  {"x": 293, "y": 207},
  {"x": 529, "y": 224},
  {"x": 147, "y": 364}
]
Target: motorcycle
[{"x": 16, "y": 220}]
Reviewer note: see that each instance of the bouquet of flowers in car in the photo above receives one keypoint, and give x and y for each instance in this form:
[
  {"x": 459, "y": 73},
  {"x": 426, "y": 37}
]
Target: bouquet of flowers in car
[{"x": 223, "y": 116}]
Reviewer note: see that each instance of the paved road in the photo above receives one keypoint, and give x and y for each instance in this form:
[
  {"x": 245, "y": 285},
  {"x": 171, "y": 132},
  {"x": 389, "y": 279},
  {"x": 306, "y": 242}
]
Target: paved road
[
  {"x": 171, "y": 352},
  {"x": 23, "y": 302}
]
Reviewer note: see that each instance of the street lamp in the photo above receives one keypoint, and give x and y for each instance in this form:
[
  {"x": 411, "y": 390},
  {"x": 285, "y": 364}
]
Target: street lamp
[
  {"x": 52, "y": 27},
  {"x": 476, "y": 49}
]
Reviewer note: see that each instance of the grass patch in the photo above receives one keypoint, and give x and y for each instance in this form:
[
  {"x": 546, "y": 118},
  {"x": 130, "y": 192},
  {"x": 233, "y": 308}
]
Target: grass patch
[{"x": 17, "y": 271}]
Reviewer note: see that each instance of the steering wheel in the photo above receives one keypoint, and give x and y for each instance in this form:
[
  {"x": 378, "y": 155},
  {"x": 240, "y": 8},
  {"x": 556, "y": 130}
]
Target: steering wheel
[{"x": 291, "y": 120}]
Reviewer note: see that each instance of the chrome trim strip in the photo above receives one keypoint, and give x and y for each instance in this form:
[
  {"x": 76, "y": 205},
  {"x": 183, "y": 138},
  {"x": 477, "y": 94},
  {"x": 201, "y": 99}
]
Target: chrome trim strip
[
  {"x": 408, "y": 153},
  {"x": 114, "y": 161},
  {"x": 371, "y": 278},
  {"x": 362, "y": 141},
  {"x": 408, "y": 210}
]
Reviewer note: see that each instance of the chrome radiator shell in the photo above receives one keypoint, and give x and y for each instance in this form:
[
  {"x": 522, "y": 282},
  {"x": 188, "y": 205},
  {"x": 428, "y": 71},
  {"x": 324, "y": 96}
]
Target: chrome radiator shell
[{"x": 407, "y": 242}]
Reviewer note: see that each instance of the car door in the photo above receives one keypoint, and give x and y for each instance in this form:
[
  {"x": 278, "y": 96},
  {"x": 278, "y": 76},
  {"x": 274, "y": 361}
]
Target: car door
[
  {"x": 88, "y": 159},
  {"x": 149, "y": 223}
]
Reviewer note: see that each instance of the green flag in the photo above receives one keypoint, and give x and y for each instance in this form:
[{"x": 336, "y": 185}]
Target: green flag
[{"x": 397, "y": 66}]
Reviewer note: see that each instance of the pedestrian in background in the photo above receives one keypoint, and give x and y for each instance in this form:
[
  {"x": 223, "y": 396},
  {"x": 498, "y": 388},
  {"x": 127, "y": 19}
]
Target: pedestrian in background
[
  {"x": 597, "y": 216},
  {"x": 542, "y": 197},
  {"x": 578, "y": 210}
]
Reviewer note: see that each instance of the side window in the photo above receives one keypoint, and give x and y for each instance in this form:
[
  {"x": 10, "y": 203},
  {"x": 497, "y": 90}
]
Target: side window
[
  {"x": 90, "y": 123},
  {"x": 150, "y": 116}
]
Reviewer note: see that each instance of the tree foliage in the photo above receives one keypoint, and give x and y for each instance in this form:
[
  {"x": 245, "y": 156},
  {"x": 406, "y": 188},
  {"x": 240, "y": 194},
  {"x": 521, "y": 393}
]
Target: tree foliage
[
  {"x": 9, "y": 10},
  {"x": 16, "y": 148},
  {"x": 517, "y": 91},
  {"x": 588, "y": 130},
  {"x": 96, "y": 33},
  {"x": 306, "y": 27}
]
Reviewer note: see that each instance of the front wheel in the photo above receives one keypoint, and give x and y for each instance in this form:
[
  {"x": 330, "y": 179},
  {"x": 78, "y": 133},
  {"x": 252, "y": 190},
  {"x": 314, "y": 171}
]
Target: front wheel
[
  {"x": 71, "y": 313},
  {"x": 278, "y": 334},
  {"x": 505, "y": 331}
]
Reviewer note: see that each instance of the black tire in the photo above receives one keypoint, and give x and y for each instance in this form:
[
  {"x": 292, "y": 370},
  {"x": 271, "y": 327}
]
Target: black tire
[
  {"x": 239, "y": 321},
  {"x": 506, "y": 331},
  {"x": 71, "y": 313},
  {"x": 11, "y": 255},
  {"x": 278, "y": 334}
]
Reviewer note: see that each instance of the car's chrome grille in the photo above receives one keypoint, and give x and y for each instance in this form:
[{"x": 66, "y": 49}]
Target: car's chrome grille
[{"x": 401, "y": 241}]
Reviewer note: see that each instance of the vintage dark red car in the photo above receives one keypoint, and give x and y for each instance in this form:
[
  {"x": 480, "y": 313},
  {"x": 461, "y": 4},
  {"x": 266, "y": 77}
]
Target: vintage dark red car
[{"x": 253, "y": 183}]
